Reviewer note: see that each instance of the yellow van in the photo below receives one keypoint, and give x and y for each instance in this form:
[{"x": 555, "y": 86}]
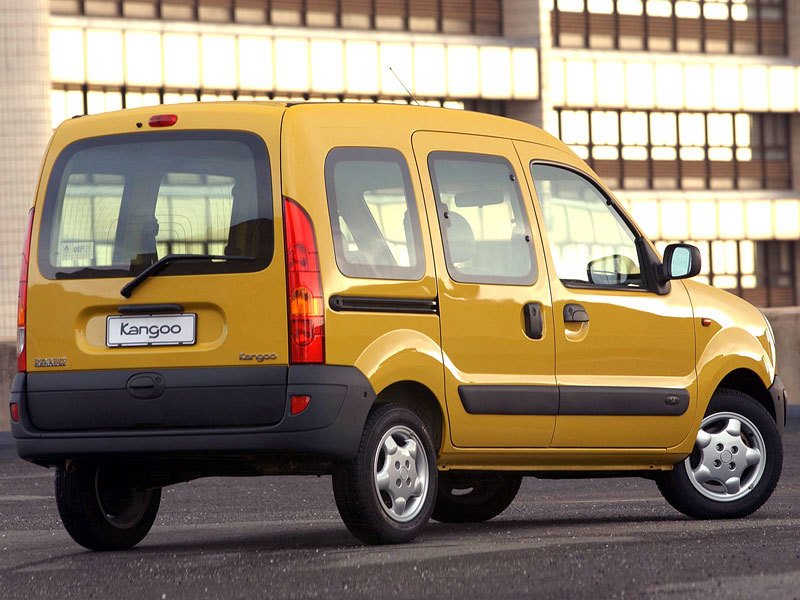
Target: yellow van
[{"x": 426, "y": 304}]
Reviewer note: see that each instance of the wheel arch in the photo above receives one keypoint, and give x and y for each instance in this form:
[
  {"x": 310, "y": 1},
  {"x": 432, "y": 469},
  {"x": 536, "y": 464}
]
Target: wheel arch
[
  {"x": 748, "y": 382},
  {"x": 420, "y": 399}
]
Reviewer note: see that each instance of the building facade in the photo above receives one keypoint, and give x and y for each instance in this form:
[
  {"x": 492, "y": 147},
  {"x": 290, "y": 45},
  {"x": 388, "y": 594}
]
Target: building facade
[{"x": 690, "y": 109}]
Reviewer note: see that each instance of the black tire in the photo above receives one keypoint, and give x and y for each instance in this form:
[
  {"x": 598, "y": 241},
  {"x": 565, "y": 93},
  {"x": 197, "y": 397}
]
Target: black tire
[
  {"x": 680, "y": 491},
  {"x": 99, "y": 510},
  {"x": 474, "y": 496},
  {"x": 366, "y": 511}
]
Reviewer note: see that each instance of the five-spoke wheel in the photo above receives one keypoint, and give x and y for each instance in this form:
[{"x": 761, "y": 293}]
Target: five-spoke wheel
[
  {"x": 735, "y": 464},
  {"x": 386, "y": 493},
  {"x": 728, "y": 460},
  {"x": 401, "y": 473}
]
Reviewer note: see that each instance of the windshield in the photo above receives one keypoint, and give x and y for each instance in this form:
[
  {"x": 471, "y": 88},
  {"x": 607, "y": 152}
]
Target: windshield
[{"x": 117, "y": 204}]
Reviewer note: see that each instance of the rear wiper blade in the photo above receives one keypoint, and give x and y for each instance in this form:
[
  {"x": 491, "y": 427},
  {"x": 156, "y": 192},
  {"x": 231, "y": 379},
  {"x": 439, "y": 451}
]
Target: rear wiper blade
[{"x": 161, "y": 263}]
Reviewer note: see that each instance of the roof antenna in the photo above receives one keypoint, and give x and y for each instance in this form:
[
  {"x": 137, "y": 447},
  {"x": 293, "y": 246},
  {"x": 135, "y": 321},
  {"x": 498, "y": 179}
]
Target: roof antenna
[{"x": 414, "y": 100}]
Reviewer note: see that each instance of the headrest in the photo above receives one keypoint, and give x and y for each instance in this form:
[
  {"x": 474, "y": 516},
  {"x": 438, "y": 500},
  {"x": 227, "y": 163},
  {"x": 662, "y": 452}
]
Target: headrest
[{"x": 459, "y": 238}]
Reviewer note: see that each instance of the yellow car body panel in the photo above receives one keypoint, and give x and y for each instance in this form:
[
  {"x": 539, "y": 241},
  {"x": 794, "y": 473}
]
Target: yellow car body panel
[
  {"x": 482, "y": 334},
  {"x": 241, "y": 319},
  {"x": 634, "y": 339}
]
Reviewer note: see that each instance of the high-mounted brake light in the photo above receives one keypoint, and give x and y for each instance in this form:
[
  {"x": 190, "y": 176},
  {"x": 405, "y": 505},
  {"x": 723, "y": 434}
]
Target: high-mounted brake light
[
  {"x": 304, "y": 287},
  {"x": 22, "y": 299},
  {"x": 163, "y": 120}
]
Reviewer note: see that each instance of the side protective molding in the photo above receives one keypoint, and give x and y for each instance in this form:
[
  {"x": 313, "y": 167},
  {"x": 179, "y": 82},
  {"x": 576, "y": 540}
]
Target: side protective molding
[{"x": 573, "y": 400}]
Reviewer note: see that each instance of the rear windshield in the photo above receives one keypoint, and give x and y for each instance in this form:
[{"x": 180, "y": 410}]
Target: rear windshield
[{"x": 117, "y": 204}]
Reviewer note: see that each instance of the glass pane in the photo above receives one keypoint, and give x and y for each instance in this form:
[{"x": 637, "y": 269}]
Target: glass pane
[
  {"x": 373, "y": 214},
  {"x": 590, "y": 242},
  {"x": 485, "y": 229},
  {"x": 117, "y": 204}
]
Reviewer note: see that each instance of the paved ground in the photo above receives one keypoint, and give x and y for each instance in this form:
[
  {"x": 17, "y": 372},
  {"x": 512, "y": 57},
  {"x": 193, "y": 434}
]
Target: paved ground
[{"x": 281, "y": 537}]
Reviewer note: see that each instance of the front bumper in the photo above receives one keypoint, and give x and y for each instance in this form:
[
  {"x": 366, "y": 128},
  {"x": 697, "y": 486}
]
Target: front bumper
[
  {"x": 199, "y": 412},
  {"x": 777, "y": 392}
]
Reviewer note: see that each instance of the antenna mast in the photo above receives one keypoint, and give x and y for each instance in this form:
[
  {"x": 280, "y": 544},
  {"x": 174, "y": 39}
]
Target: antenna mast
[{"x": 414, "y": 100}]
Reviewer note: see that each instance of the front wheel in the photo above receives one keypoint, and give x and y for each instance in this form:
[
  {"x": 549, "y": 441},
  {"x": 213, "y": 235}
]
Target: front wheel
[
  {"x": 103, "y": 510},
  {"x": 386, "y": 494},
  {"x": 735, "y": 465}
]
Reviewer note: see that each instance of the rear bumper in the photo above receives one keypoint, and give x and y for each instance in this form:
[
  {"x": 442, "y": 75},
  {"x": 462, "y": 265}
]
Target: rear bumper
[
  {"x": 777, "y": 392},
  {"x": 231, "y": 411}
]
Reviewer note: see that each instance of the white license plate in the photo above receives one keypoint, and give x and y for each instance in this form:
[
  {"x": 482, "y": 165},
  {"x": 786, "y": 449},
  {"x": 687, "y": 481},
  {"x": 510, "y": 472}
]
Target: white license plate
[{"x": 151, "y": 330}]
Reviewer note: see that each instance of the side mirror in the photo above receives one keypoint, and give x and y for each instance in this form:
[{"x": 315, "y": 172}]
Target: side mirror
[
  {"x": 681, "y": 261},
  {"x": 612, "y": 270}
]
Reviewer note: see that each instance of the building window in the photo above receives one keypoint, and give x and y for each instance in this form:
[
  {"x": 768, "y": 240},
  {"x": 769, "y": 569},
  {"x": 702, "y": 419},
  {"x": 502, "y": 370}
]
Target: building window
[
  {"x": 649, "y": 149},
  {"x": 72, "y": 100},
  {"x": 711, "y": 26},
  {"x": 479, "y": 17}
]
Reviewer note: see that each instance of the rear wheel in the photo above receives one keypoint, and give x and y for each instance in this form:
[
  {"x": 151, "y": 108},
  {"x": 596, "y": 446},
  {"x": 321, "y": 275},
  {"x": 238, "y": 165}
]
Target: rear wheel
[
  {"x": 103, "y": 510},
  {"x": 474, "y": 496},
  {"x": 386, "y": 494},
  {"x": 735, "y": 465}
]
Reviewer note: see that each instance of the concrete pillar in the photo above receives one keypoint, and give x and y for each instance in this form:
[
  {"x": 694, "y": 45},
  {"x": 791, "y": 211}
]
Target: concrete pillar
[
  {"x": 794, "y": 148},
  {"x": 527, "y": 22},
  {"x": 793, "y": 28},
  {"x": 24, "y": 131}
]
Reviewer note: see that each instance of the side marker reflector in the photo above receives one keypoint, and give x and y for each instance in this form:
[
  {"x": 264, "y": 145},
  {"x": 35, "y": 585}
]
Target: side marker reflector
[{"x": 299, "y": 404}]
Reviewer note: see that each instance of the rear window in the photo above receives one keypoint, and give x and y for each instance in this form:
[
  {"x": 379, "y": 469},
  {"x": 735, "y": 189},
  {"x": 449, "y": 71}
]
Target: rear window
[{"x": 117, "y": 204}]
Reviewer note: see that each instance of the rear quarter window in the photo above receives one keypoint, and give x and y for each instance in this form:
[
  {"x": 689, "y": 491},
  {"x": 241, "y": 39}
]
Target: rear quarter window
[
  {"x": 116, "y": 204},
  {"x": 373, "y": 214}
]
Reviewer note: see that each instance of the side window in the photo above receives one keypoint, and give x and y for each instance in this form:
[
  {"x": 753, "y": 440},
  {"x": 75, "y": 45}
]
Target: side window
[
  {"x": 373, "y": 214},
  {"x": 590, "y": 242},
  {"x": 485, "y": 229}
]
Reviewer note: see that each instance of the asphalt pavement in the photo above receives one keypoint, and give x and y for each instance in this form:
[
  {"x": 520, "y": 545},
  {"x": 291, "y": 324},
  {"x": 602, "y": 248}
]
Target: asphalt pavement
[{"x": 281, "y": 537}]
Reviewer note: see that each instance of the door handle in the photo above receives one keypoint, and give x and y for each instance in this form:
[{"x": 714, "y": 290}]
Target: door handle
[
  {"x": 534, "y": 326},
  {"x": 575, "y": 313}
]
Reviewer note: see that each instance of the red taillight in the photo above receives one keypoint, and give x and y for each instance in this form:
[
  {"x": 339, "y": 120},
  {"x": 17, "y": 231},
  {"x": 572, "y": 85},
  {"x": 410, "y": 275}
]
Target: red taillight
[
  {"x": 304, "y": 287},
  {"x": 299, "y": 404},
  {"x": 22, "y": 299},
  {"x": 163, "y": 120},
  {"x": 14, "y": 408}
]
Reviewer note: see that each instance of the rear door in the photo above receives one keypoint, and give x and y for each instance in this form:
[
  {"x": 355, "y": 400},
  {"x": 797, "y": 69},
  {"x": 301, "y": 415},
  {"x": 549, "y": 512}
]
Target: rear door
[
  {"x": 120, "y": 200},
  {"x": 494, "y": 298}
]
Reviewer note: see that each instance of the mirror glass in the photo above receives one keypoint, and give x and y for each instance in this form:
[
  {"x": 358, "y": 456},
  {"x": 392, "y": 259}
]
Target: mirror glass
[
  {"x": 612, "y": 270},
  {"x": 681, "y": 263}
]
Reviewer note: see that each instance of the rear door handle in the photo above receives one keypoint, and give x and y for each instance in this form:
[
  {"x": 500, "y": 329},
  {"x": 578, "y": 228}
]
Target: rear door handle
[
  {"x": 534, "y": 326},
  {"x": 575, "y": 313}
]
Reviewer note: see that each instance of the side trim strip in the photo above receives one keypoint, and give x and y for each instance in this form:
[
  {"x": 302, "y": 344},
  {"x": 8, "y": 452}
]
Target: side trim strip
[
  {"x": 385, "y": 305},
  {"x": 622, "y": 401},
  {"x": 573, "y": 400},
  {"x": 509, "y": 399}
]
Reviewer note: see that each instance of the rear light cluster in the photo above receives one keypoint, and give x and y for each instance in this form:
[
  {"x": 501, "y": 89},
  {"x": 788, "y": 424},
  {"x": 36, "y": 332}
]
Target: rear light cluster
[
  {"x": 22, "y": 299},
  {"x": 304, "y": 287}
]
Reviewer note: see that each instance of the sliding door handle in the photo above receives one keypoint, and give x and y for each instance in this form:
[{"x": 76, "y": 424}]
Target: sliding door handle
[
  {"x": 575, "y": 313},
  {"x": 534, "y": 326}
]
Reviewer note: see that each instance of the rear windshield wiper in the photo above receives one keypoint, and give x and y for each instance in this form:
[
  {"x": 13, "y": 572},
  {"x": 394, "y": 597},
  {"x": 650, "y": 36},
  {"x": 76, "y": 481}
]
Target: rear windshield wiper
[{"x": 161, "y": 263}]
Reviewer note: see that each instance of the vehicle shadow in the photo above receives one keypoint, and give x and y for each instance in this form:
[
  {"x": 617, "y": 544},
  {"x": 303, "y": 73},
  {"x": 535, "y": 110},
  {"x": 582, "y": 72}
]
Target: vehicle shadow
[{"x": 336, "y": 538}]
